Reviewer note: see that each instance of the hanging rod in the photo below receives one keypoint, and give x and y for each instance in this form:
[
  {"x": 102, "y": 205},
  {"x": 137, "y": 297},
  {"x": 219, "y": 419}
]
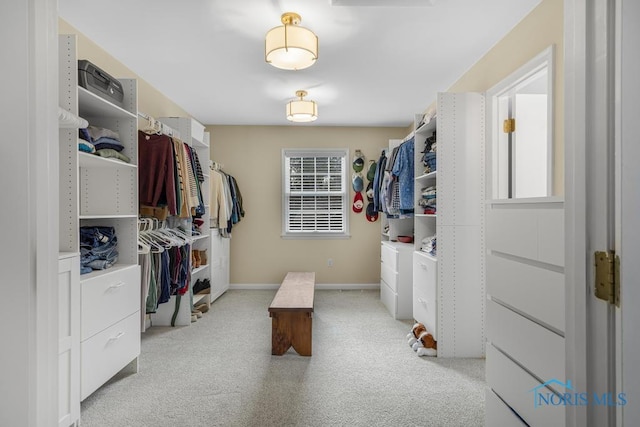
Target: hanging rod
[{"x": 158, "y": 126}]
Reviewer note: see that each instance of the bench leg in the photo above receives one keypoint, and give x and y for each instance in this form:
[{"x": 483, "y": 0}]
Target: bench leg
[{"x": 291, "y": 329}]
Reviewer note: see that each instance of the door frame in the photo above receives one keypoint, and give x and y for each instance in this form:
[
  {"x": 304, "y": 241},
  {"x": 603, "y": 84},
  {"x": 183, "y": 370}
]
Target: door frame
[
  {"x": 29, "y": 263},
  {"x": 589, "y": 200},
  {"x": 627, "y": 175}
]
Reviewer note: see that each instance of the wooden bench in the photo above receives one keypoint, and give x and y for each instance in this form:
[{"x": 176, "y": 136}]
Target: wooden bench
[{"x": 291, "y": 311}]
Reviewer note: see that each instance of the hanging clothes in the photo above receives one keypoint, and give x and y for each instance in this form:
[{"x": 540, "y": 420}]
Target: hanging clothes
[
  {"x": 167, "y": 175},
  {"x": 225, "y": 202},
  {"x": 156, "y": 169},
  {"x": 403, "y": 173}
]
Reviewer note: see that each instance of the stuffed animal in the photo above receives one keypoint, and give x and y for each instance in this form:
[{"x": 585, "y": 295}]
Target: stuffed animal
[
  {"x": 416, "y": 330},
  {"x": 425, "y": 345}
]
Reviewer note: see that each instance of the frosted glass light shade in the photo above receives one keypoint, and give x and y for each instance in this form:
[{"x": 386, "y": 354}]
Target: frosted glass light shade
[
  {"x": 302, "y": 111},
  {"x": 290, "y": 47}
]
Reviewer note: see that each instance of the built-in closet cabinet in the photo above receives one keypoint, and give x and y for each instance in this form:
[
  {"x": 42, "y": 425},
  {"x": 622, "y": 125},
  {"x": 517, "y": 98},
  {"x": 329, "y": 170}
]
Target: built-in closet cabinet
[
  {"x": 96, "y": 191},
  {"x": 193, "y": 133},
  {"x": 395, "y": 261},
  {"x": 448, "y": 287},
  {"x": 219, "y": 258}
]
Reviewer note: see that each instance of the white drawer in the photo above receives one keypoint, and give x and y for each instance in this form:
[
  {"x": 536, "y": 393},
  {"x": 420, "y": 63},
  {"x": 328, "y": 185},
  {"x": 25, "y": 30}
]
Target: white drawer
[
  {"x": 108, "y": 298},
  {"x": 424, "y": 293},
  {"x": 541, "y": 353},
  {"x": 514, "y": 385},
  {"x": 389, "y": 298},
  {"x": 390, "y": 277},
  {"x": 498, "y": 414},
  {"x": 106, "y": 353},
  {"x": 389, "y": 257}
]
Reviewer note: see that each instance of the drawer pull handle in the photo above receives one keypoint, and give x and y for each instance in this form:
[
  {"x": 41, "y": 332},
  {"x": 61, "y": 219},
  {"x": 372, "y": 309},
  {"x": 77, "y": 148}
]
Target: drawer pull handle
[
  {"x": 117, "y": 337},
  {"x": 422, "y": 301},
  {"x": 117, "y": 285},
  {"x": 424, "y": 266}
]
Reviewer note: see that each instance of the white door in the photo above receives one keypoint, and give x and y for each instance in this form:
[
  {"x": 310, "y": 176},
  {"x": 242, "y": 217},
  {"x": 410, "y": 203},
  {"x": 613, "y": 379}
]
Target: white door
[
  {"x": 603, "y": 205},
  {"x": 627, "y": 230}
]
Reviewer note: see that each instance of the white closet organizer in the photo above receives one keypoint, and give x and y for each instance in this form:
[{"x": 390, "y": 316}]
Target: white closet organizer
[
  {"x": 219, "y": 257},
  {"x": 449, "y": 288},
  {"x": 192, "y": 133},
  {"x": 395, "y": 261},
  {"x": 95, "y": 191}
]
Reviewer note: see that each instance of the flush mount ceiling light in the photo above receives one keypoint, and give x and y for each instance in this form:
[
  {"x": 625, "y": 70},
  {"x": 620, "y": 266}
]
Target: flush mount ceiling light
[
  {"x": 291, "y": 47},
  {"x": 300, "y": 110}
]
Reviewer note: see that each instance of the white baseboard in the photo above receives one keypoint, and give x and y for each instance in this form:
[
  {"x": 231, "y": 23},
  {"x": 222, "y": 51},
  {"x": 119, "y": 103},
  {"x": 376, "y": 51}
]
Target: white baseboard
[{"x": 319, "y": 286}]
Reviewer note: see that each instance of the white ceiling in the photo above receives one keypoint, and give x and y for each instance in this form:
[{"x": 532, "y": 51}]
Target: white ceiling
[{"x": 377, "y": 66}]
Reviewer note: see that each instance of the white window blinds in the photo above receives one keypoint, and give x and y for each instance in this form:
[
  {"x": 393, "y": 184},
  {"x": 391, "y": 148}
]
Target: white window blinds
[{"x": 315, "y": 193}]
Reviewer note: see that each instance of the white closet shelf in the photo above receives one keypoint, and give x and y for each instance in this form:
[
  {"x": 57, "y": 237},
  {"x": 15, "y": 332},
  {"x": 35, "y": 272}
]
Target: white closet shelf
[
  {"x": 87, "y": 160},
  {"x": 426, "y": 255},
  {"x": 65, "y": 255},
  {"x": 427, "y": 128},
  {"x": 427, "y": 176},
  {"x": 200, "y": 237},
  {"x": 197, "y": 144},
  {"x": 108, "y": 216},
  {"x": 91, "y": 105},
  {"x": 426, "y": 215},
  {"x": 199, "y": 269},
  {"x": 199, "y": 297},
  {"x": 115, "y": 268}
]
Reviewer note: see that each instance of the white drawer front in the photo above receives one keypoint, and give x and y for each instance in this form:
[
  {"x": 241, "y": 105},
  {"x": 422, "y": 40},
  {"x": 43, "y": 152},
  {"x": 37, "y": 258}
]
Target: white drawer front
[
  {"x": 515, "y": 386},
  {"x": 536, "y": 348},
  {"x": 109, "y": 298},
  {"x": 498, "y": 414},
  {"x": 389, "y": 257},
  {"x": 389, "y": 298},
  {"x": 108, "y": 352},
  {"x": 533, "y": 290},
  {"x": 390, "y": 277},
  {"x": 424, "y": 293}
]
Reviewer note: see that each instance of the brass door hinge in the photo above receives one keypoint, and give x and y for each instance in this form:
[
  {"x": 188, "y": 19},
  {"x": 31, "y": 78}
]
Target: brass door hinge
[
  {"x": 509, "y": 125},
  {"x": 607, "y": 277}
]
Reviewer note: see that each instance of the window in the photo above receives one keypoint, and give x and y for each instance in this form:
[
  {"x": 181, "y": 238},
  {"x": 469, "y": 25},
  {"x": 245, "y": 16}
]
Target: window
[
  {"x": 521, "y": 111},
  {"x": 315, "y": 193}
]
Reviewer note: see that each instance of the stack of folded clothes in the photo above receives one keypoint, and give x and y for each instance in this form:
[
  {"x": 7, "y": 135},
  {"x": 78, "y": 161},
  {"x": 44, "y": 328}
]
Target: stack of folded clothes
[
  {"x": 429, "y": 245},
  {"x": 102, "y": 142},
  {"x": 429, "y": 201},
  {"x": 98, "y": 248}
]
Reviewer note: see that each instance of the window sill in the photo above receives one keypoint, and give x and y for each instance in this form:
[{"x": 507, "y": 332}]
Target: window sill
[{"x": 315, "y": 236}]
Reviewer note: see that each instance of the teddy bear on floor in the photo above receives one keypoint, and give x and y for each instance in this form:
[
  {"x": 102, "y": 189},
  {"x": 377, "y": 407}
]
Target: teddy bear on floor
[
  {"x": 425, "y": 345},
  {"x": 416, "y": 330}
]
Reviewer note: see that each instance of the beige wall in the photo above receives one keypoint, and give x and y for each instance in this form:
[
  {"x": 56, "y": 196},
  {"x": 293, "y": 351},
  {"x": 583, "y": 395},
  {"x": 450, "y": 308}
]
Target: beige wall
[
  {"x": 150, "y": 100},
  {"x": 538, "y": 30},
  {"x": 252, "y": 154}
]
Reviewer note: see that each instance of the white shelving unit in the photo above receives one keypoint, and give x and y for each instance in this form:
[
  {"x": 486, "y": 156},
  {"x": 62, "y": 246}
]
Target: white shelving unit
[
  {"x": 95, "y": 191},
  {"x": 192, "y": 133},
  {"x": 449, "y": 288},
  {"x": 395, "y": 262}
]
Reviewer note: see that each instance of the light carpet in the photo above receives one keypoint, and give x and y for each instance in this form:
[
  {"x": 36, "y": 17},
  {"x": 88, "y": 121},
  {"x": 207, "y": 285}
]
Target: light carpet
[{"x": 220, "y": 372}]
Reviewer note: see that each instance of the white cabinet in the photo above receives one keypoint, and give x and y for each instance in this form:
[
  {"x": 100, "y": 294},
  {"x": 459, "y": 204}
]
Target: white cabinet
[
  {"x": 449, "y": 287},
  {"x": 525, "y": 298},
  {"x": 97, "y": 191},
  {"x": 395, "y": 279},
  {"x": 68, "y": 339},
  {"x": 220, "y": 248}
]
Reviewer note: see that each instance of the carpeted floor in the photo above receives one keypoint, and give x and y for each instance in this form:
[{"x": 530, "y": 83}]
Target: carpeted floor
[{"x": 220, "y": 372}]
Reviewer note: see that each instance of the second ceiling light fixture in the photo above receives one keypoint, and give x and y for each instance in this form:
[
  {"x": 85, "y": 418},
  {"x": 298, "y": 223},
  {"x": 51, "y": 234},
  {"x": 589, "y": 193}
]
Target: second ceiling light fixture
[{"x": 292, "y": 47}]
